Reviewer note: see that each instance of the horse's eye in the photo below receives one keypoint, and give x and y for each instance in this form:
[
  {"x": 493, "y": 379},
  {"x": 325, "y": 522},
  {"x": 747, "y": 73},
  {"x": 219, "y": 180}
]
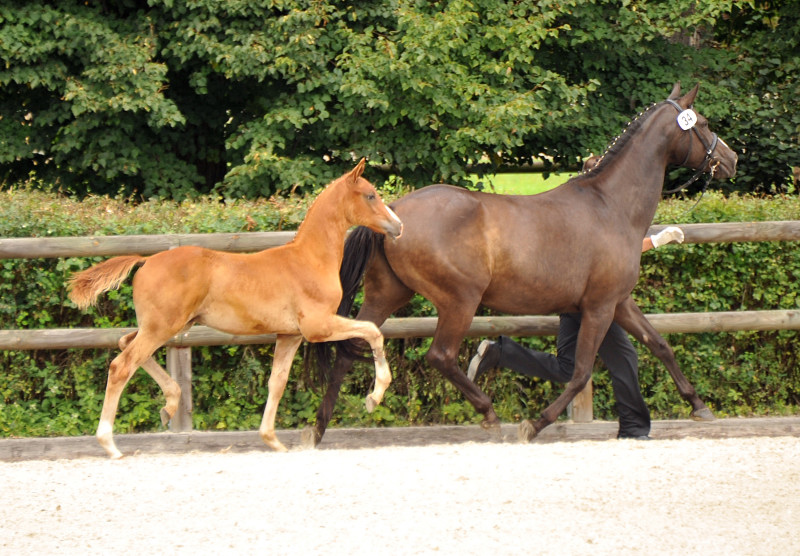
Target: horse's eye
[{"x": 369, "y": 196}]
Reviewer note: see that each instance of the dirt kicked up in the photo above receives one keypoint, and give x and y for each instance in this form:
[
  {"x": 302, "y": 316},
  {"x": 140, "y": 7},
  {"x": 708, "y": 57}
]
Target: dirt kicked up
[{"x": 684, "y": 496}]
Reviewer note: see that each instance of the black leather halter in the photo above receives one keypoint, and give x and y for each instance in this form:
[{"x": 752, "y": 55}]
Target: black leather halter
[{"x": 706, "y": 164}]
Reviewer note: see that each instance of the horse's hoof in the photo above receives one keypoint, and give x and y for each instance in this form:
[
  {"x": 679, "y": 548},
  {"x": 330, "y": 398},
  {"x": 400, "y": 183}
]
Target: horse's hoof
[
  {"x": 493, "y": 425},
  {"x": 165, "y": 417},
  {"x": 371, "y": 404},
  {"x": 308, "y": 438},
  {"x": 703, "y": 414},
  {"x": 526, "y": 431}
]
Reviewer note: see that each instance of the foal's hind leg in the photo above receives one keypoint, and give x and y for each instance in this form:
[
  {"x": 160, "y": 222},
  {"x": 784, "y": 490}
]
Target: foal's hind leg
[
  {"x": 630, "y": 317},
  {"x": 137, "y": 350},
  {"x": 285, "y": 348},
  {"x": 170, "y": 388}
]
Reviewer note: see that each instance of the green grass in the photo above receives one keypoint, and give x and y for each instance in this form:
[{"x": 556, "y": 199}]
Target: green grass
[{"x": 522, "y": 184}]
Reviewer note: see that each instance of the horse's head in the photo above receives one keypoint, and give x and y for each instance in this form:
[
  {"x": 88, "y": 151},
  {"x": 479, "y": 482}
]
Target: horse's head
[
  {"x": 695, "y": 145},
  {"x": 366, "y": 208}
]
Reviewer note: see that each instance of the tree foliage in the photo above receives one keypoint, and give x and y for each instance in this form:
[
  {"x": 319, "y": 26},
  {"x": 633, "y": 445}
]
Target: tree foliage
[{"x": 246, "y": 98}]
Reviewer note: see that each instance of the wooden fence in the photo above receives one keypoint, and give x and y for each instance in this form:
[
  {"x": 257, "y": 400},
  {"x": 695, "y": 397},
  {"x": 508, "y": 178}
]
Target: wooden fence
[{"x": 178, "y": 349}]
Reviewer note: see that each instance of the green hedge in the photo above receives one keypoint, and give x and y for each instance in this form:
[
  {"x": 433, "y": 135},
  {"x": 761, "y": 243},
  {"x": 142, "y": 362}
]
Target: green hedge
[{"x": 60, "y": 392}]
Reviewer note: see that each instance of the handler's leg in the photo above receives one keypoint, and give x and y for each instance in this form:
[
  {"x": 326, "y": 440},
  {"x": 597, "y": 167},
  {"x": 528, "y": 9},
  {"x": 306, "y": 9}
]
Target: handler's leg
[
  {"x": 507, "y": 354},
  {"x": 618, "y": 354}
]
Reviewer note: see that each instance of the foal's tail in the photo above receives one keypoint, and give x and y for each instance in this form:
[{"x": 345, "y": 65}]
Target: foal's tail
[
  {"x": 361, "y": 244},
  {"x": 85, "y": 286}
]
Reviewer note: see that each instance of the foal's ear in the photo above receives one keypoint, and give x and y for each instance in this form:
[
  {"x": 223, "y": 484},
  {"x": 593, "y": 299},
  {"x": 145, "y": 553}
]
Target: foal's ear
[
  {"x": 358, "y": 170},
  {"x": 676, "y": 91},
  {"x": 688, "y": 99}
]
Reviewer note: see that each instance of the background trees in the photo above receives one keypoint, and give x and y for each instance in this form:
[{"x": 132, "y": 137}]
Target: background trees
[{"x": 250, "y": 97}]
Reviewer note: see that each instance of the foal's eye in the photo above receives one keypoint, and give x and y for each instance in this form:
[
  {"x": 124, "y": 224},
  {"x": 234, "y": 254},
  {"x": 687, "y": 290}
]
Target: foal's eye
[{"x": 369, "y": 196}]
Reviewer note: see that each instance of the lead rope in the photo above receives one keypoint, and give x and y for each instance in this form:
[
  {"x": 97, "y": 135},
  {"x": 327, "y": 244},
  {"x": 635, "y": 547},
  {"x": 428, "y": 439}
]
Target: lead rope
[{"x": 693, "y": 179}]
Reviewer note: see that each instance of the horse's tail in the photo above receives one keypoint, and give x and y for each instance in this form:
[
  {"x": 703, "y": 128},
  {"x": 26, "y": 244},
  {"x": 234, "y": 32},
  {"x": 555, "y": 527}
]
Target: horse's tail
[
  {"x": 359, "y": 248},
  {"x": 85, "y": 286}
]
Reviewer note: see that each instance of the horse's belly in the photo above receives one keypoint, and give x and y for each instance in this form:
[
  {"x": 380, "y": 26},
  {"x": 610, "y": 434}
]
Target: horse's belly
[
  {"x": 530, "y": 302},
  {"x": 534, "y": 293}
]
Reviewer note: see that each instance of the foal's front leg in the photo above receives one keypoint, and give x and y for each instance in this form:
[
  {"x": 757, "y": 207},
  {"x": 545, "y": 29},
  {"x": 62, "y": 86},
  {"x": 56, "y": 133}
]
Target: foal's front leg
[
  {"x": 285, "y": 348},
  {"x": 341, "y": 328}
]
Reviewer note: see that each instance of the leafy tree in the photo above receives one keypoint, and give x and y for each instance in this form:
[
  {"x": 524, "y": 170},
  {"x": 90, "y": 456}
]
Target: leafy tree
[
  {"x": 762, "y": 38},
  {"x": 250, "y": 97}
]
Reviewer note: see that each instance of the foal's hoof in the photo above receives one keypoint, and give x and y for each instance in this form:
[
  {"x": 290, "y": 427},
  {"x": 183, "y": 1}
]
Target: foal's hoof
[
  {"x": 526, "y": 431},
  {"x": 309, "y": 438},
  {"x": 165, "y": 417},
  {"x": 703, "y": 414},
  {"x": 371, "y": 404}
]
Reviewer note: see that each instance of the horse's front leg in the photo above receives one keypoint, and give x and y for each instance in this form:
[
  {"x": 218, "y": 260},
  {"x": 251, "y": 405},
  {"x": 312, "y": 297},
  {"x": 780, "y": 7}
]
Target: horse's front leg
[
  {"x": 594, "y": 326},
  {"x": 285, "y": 348},
  {"x": 630, "y": 317}
]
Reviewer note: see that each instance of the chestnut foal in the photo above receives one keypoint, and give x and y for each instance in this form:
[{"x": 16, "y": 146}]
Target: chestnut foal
[{"x": 292, "y": 291}]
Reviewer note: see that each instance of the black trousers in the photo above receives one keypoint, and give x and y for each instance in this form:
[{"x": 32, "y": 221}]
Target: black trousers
[{"x": 616, "y": 352}]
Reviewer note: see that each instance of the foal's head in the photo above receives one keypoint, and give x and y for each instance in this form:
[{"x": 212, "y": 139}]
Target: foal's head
[{"x": 363, "y": 206}]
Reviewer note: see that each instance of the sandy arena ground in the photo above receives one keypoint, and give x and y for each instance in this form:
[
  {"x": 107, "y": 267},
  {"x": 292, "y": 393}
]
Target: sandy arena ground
[{"x": 738, "y": 496}]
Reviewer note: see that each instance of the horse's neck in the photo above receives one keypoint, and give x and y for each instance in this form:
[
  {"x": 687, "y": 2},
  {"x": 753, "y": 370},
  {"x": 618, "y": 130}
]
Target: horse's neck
[
  {"x": 321, "y": 234},
  {"x": 634, "y": 185}
]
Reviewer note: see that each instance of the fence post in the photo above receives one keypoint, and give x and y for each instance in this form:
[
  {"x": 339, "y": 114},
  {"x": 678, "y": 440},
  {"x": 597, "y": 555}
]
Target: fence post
[
  {"x": 179, "y": 366},
  {"x": 580, "y": 409}
]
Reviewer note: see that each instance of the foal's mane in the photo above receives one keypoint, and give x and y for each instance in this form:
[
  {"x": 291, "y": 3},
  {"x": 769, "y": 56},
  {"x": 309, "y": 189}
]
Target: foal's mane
[
  {"x": 614, "y": 148},
  {"x": 314, "y": 205}
]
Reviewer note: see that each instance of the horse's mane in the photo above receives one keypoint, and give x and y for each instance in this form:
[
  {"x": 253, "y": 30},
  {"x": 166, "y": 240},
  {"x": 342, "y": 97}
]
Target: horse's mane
[{"x": 614, "y": 148}]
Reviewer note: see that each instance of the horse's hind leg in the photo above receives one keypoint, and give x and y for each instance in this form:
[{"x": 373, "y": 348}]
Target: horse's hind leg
[
  {"x": 312, "y": 436},
  {"x": 383, "y": 294},
  {"x": 170, "y": 388},
  {"x": 630, "y": 317},
  {"x": 285, "y": 348}
]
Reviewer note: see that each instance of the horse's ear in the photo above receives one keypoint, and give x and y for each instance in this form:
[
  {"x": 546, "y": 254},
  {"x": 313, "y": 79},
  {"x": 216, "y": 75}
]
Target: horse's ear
[
  {"x": 358, "y": 170},
  {"x": 688, "y": 99},
  {"x": 676, "y": 91}
]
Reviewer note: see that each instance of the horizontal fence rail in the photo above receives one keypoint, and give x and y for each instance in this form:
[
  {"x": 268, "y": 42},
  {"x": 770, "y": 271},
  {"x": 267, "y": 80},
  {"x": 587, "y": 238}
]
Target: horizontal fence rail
[
  {"x": 178, "y": 348},
  {"x": 49, "y": 247},
  {"x": 409, "y": 327}
]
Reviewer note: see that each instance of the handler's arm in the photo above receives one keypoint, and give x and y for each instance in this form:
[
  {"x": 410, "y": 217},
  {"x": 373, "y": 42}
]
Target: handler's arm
[{"x": 667, "y": 235}]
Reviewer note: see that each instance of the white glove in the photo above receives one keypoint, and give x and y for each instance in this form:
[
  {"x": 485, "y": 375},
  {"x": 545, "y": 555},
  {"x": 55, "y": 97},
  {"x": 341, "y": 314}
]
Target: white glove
[{"x": 667, "y": 235}]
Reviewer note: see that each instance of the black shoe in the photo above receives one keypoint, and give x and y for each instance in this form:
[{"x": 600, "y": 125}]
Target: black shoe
[
  {"x": 488, "y": 357},
  {"x": 633, "y": 437}
]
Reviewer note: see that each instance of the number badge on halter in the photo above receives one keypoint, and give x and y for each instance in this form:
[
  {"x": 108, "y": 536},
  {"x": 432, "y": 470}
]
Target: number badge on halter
[{"x": 687, "y": 119}]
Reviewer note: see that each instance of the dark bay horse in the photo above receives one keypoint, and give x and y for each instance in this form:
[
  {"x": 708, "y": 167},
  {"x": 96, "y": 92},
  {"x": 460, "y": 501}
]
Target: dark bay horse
[
  {"x": 574, "y": 248},
  {"x": 292, "y": 291}
]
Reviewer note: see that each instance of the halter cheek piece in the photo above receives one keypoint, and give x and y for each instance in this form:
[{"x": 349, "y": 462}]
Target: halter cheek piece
[
  {"x": 709, "y": 148},
  {"x": 707, "y": 161}
]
